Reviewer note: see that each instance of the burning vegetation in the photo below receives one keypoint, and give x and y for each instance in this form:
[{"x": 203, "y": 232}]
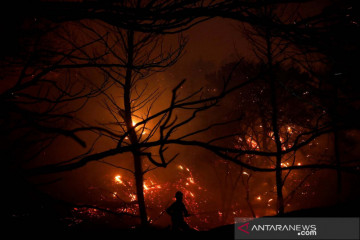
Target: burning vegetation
[{"x": 105, "y": 115}]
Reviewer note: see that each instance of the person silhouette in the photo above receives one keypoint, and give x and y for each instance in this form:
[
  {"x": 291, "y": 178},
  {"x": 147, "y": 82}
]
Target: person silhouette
[{"x": 177, "y": 212}]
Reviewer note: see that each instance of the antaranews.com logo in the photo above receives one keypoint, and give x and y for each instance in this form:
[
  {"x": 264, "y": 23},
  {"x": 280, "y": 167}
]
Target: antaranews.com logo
[
  {"x": 303, "y": 230},
  {"x": 296, "y": 228}
]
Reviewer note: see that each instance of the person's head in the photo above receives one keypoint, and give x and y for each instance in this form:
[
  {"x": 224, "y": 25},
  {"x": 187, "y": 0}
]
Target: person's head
[{"x": 179, "y": 196}]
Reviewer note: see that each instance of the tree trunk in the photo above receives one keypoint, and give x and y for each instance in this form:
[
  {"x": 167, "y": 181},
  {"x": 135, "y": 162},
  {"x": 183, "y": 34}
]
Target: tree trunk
[
  {"x": 336, "y": 139},
  {"x": 247, "y": 198},
  {"x": 139, "y": 180},
  {"x": 279, "y": 185},
  {"x": 274, "y": 119}
]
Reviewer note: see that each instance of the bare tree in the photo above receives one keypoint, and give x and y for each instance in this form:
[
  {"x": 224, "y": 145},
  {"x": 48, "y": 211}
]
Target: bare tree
[
  {"x": 41, "y": 92},
  {"x": 158, "y": 16},
  {"x": 321, "y": 43},
  {"x": 274, "y": 49},
  {"x": 137, "y": 57}
]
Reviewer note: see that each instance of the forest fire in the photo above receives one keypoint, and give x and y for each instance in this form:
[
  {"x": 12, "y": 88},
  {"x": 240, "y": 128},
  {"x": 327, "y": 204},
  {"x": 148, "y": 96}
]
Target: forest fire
[
  {"x": 252, "y": 143},
  {"x": 118, "y": 179},
  {"x": 159, "y": 193},
  {"x": 159, "y": 196},
  {"x": 114, "y": 111}
]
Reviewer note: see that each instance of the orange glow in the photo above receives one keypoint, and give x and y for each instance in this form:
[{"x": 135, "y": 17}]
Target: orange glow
[
  {"x": 191, "y": 180},
  {"x": 289, "y": 130},
  {"x": 153, "y": 190},
  {"x": 252, "y": 143},
  {"x": 132, "y": 197},
  {"x": 118, "y": 179}
]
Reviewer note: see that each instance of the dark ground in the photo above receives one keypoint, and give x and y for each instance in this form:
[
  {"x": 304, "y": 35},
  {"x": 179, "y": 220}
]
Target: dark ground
[
  {"x": 48, "y": 224},
  {"x": 31, "y": 212}
]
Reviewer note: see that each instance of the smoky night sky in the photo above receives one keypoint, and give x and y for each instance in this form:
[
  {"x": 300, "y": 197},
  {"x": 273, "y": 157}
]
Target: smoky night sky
[{"x": 249, "y": 108}]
